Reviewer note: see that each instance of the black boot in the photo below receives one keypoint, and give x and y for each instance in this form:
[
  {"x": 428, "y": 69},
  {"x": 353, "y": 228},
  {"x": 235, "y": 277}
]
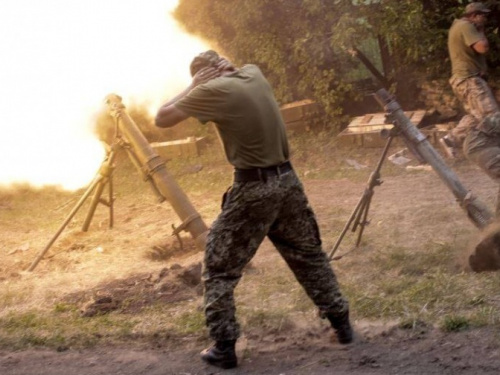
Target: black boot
[
  {"x": 342, "y": 327},
  {"x": 222, "y": 354}
]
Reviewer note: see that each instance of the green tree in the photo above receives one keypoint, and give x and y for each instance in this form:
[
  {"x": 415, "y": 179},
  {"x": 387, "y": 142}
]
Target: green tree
[{"x": 305, "y": 47}]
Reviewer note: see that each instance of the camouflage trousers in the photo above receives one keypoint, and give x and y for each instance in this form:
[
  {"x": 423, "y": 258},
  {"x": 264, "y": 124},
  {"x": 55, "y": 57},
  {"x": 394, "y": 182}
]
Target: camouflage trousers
[
  {"x": 482, "y": 147},
  {"x": 478, "y": 101},
  {"x": 277, "y": 208}
]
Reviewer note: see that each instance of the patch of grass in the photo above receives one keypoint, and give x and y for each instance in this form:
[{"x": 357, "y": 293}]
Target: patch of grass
[
  {"x": 62, "y": 307},
  {"x": 41, "y": 328},
  {"x": 11, "y": 298},
  {"x": 22, "y": 321},
  {"x": 270, "y": 320},
  {"x": 31, "y": 339},
  {"x": 413, "y": 324},
  {"x": 477, "y": 301},
  {"x": 485, "y": 316},
  {"x": 280, "y": 291},
  {"x": 455, "y": 323},
  {"x": 427, "y": 296},
  {"x": 397, "y": 286},
  {"x": 433, "y": 257},
  {"x": 190, "y": 322}
]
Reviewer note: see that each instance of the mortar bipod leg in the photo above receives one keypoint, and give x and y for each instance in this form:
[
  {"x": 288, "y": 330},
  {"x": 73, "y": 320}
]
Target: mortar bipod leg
[
  {"x": 360, "y": 213},
  {"x": 105, "y": 172},
  {"x": 111, "y": 201},
  {"x": 66, "y": 222}
]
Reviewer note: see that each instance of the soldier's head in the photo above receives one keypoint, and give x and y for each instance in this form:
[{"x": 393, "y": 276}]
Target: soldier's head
[
  {"x": 210, "y": 58},
  {"x": 204, "y": 59},
  {"x": 476, "y": 12}
]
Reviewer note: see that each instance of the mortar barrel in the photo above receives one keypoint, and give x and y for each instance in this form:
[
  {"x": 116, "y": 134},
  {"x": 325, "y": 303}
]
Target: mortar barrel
[
  {"x": 477, "y": 212},
  {"x": 155, "y": 168}
]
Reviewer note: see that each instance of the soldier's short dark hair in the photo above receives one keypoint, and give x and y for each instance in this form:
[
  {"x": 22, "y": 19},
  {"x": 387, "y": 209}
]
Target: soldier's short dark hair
[{"x": 204, "y": 59}]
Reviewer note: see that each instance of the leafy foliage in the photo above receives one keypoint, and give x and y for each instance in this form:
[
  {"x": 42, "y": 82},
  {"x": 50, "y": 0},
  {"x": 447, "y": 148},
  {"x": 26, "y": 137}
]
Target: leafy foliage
[{"x": 305, "y": 46}]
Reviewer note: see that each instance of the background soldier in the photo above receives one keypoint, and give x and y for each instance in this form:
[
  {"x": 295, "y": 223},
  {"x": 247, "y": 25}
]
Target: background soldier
[
  {"x": 266, "y": 199},
  {"x": 482, "y": 146},
  {"x": 467, "y": 46}
]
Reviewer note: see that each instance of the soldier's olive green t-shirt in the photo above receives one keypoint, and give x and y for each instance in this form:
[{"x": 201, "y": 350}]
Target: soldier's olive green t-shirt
[
  {"x": 465, "y": 62},
  {"x": 246, "y": 114}
]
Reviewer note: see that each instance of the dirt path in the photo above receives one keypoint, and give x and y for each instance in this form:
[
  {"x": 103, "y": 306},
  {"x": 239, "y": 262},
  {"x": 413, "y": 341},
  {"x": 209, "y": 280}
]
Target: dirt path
[{"x": 389, "y": 351}]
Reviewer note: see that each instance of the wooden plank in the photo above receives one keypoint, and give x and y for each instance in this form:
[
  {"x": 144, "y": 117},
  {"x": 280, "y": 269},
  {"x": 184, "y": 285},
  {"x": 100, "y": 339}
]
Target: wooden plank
[
  {"x": 376, "y": 119},
  {"x": 366, "y": 119},
  {"x": 366, "y": 129},
  {"x": 297, "y": 111}
]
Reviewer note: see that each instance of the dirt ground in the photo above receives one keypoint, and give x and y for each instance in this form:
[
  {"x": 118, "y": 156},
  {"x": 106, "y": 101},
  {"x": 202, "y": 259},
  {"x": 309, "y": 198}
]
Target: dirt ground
[
  {"x": 378, "y": 350},
  {"x": 306, "y": 348}
]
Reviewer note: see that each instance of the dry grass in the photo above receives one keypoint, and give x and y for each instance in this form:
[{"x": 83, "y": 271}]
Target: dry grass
[{"x": 409, "y": 267}]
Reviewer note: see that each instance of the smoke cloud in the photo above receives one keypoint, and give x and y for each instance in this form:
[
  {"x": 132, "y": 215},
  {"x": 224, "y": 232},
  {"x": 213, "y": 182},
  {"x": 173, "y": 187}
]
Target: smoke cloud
[{"x": 59, "y": 61}]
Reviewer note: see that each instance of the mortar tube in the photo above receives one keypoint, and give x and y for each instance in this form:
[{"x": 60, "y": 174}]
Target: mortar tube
[
  {"x": 156, "y": 169},
  {"x": 477, "y": 212}
]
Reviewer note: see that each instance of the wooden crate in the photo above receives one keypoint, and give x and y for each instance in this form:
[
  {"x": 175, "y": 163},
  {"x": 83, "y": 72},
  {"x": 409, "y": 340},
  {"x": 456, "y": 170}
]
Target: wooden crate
[
  {"x": 365, "y": 131},
  {"x": 298, "y": 116}
]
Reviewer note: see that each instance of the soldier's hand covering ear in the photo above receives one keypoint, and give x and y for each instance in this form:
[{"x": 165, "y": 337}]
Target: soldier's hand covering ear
[
  {"x": 223, "y": 65},
  {"x": 204, "y": 75}
]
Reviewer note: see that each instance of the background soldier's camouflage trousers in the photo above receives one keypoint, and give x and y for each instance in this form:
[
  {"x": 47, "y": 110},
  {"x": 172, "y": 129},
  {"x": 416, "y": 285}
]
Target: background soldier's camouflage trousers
[
  {"x": 478, "y": 101},
  {"x": 279, "y": 209},
  {"x": 482, "y": 146}
]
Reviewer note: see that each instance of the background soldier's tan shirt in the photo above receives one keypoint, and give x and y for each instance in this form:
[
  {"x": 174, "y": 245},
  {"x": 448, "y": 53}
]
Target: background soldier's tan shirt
[{"x": 465, "y": 62}]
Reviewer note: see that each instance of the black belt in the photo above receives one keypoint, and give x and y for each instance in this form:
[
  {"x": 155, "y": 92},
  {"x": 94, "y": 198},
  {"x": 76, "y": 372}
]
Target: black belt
[{"x": 261, "y": 174}]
